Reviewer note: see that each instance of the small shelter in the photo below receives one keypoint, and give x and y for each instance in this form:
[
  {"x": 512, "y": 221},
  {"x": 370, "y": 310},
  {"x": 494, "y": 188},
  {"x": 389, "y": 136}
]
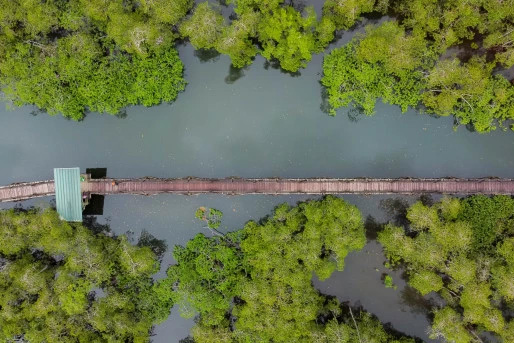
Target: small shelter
[{"x": 68, "y": 194}]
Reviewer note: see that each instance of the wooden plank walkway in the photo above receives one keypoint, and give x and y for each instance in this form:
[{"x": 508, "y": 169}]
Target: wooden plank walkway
[
  {"x": 26, "y": 190},
  {"x": 300, "y": 186},
  {"x": 274, "y": 186}
]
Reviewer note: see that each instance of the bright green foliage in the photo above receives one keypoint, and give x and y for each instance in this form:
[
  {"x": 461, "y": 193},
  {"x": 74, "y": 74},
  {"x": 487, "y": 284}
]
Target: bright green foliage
[
  {"x": 283, "y": 33},
  {"x": 211, "y": 216},
  {"x": 166, "y": 11},
  {"x": 74, "y": 78},
  {"x": 389, "y": 45},
  {"x": 400, "y": 68},
  {"x": 207, "y": 29},
  {"x": 426, "y": 281},
  {"x": 448, "y": 324},
  {"x": 288, "y": 37},
  {"x": 204, "y": 27},
  {"x": 451, "y": 22},
  {"x": 254, "y": 285},
  {"x": 370, "y": 331},
  {"x": 447, "y": 22},
  {"x": 76, "y": 56},
  {"x": 283, "y": 253},
  {"x": 385, "y": 63},
  {"x": 346, "y": 13},
  {"x": 236, "y": 39},
  {"x": 51, "y": 274},
  {"x": 388, "y": 282},
  {"x": 464, "y": 250},
  {"x": 470, "y": 93},
  {"x": 422, "y": 217},
  {"x": 449, "y": 207},
  {"x": 208, "y": 275},
  {"x": 242, "y": 6}
]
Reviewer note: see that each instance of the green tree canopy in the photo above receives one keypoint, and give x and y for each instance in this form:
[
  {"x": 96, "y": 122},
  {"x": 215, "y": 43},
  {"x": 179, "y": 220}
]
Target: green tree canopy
[
  {"x": 384, "y": 63},
  {"x": 403, "y": 69},
  {"x": 62, "y": 283},
  {"x": 462, "y": 249},
  {"x": 76, "y": 56},
  {"x": 254, "y": 285}
]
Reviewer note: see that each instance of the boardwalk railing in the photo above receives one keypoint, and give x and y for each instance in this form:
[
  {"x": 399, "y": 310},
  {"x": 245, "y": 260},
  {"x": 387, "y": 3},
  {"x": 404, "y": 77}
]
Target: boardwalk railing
[{"x": 275, "y": 186}]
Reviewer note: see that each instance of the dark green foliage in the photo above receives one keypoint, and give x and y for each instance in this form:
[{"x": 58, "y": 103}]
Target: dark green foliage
[
  {"x": 490, "y": 218},
  {"x": 462, "y": 249},
  {"x": 62, "y": 283},
  {"x": 78, "y": 56},
  {"x": 254, "y": 285}
]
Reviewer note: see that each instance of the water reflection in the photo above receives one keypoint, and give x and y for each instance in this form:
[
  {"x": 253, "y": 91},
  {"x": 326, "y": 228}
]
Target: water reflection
[
  {"x": 207, "y": 55},
  {"x": 396, "y": 209},
  {"x": 234, "y": 74},
  {"x": 372, "y": 227},
  {"x": 416, "y": 302},
  {"x": 158, "y": 246},
  {"x": 275, "y": 64},
  {"x": 360, "y": 285}
]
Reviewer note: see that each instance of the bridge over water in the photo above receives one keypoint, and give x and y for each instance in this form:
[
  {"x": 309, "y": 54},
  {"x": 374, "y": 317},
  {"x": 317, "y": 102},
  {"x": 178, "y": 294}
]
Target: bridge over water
[
  {"x": 72, "y": 187},
  {"x": 273, "y": 186}
]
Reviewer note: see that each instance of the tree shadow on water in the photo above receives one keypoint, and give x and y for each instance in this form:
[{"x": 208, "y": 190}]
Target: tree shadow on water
[
  {"x": 146, "y": 239},
  {"x": 325, "y": 105},
  {"x": 426, "y": 199},
  {"x": 158, "y": 246},
  {"x": 415, "y": 301},
  {"x": 298, "y": 5},
  {"x": 91, "y": 222},
  {"x": 372, "y": 228},
  {"x": 275, "y": 64},
  {"x": 355, "y": 114},
  {"x": 396, "y": 209},
  {"x": 122, "y": 114},
  {"x": 234, "y": 74},
  {"x": 207, "y": 55}
]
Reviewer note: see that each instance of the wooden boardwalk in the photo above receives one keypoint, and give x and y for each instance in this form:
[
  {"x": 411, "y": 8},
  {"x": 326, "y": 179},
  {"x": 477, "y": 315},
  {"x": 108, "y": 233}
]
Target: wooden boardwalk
[
  {"x": 26, "y": 190},
  {"x": 274, "y": 186}
]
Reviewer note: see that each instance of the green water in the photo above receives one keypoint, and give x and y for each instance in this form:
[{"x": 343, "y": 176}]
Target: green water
[{"x": 264, "y": 123}]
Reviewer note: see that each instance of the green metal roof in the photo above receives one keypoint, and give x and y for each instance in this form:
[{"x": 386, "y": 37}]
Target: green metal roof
[{"x": 67, "y": 194}]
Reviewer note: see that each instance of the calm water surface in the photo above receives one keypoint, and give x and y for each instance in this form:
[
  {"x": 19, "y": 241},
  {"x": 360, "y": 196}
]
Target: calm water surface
[{"x": 254, "y": 123}]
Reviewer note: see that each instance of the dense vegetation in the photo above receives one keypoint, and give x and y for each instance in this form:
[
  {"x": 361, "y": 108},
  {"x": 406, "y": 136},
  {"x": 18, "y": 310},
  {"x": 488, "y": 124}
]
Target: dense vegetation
[
  {"x": 406, "y": 62},
  {"x": 76, "y": 56},
  {"x": 64, "y": 283},
  {"x": 464, "y": 251},
  {"x": 254, "y": 285}
]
